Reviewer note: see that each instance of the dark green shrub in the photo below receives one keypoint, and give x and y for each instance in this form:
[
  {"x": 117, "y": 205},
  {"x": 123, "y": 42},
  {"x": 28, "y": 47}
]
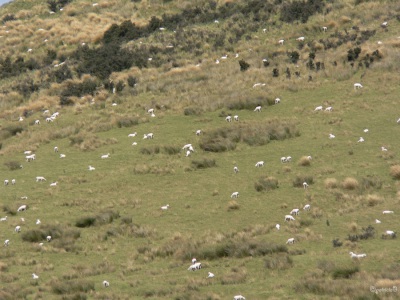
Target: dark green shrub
[
  {"x": 127, "y": 122},
  {"x": 294, "y": 56},
  {"x": 33, "y": 236},
  {"x": 132, "y": 81},
  {"x": 345, "y": 272},
  {"x": 61, "y": 74},
  {"x": 7, "y": 18},
  {"x": 171, "y": 150},
  {"x": 204, "y": 163},
  {"x": 12, "y": 165},
  {"x": 85, "y": 222},
  {"x": 243, "y": 65}
]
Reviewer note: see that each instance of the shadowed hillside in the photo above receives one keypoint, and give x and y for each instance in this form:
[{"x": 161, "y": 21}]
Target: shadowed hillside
[{"x": 258, "y": 137}]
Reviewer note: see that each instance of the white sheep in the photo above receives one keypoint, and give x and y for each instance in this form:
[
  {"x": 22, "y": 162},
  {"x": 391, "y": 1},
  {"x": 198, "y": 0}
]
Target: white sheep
[
  {"x": 148, "y": 136},
  {"x": 384, "y": 24},
  {"x": 210, "y": 275},
  {"x": 357, "y": 86},
  {"x": 329, "y": 108},
  {"x": 289, "y": 218},
  {"x": 277, "y": 100},
  {"x": 17, "y": 229},
  {"x": 30, "y": 152},
  {"x": 6, "y": 243},
  {"x": 295, "y": 211},
  {"x": 165, "y": 207},
  {"x": 55, "y": 149},
  {"x": 283, "y": 159},
  {"x": 198, "y": 132},
  {"x": 49, "y": 119},
  {"x": 239, "y": 297},
  {"x": 300, "y": 39},
  {"x": 62, "y": 155},
  {"x": 104, "y": 156},
  {"x": 384, "y": 149},
  {"x": 34, "y": 276},
  {"x": 91, "y": 168},
  {"x": 22, "y": 208},
  {"x": 260, "y": 164},
  {"x": 195, "y": 266},
  {"x": 354, "y": 255},
  {"x": 37, "y": 122},
  {"x": 235, "y": 169},
  {"x": 132, "y": 134},
  {"x": 398, "y": 121},
  {"x": 331, "y": 136},
  {"x": 53, "y": 183},
  {"x": 188, "y": 152},
  {"x": 236, "y": 117},
  {"x": 258, "y": 108},
  {"x": 40, "y": 179},
  {"x": 24, "y": 197},
  {"x": 324, "y": 28},
  {"x": 6, "y": 182},
  {"x": 305, "y": 185},
  {"x": 186, "y": 146},
  {"x": 388, "y": 212},
  {"x": 13, "y": 181},
  {"x": 235, "y": 195},
  {"x": 307, "y": 207},
  {"x": 290, "y": 241},
  {"x": 3, "y": 219},
  {"x": 318, "y": 108},
  {"x": 48, "y": 238},
  {"x": 258, "y": 84},
  {"x": 30, "y": 157},
  {"x": 390, "y": 233},
  {"x": 377, "y": 221},
  {"x": 360, "y": 140},
  {"x": 194, "y": 260},
  {"x": 106, "y": 283},
  {"x": 280, "y": 42},
  {"x": 150, "y": 111},
  {"x": 277, "y": 226},
  {"x": 228, "y": 119},
  {"x": 38, "y": 222}
]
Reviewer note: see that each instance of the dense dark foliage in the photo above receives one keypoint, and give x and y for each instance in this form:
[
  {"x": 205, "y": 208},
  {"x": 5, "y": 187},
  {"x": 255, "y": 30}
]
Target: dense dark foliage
[{"x": 300, "y": 10}]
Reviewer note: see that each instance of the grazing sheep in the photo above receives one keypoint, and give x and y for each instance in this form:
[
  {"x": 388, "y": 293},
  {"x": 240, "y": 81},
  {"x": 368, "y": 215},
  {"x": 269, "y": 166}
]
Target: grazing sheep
[
  {"x": 62, "y": 155},
  {"x": 48, "y": 238},
  {"x": 280, "y": 42},
  {"x": 55, "y": 149},
  {"x": 148, "y": 136},
  {"x": 210, "y": 275},
  {"x": 384, "y": 25},
  {"x": 228, "y": 119},
  {"x": 360, "y": 140},
  {"x": 53, "y": 183},
  {"x": 318, "y": 108},
  {"x": 290, "y": 241},
  {"x": 239, "y": 297},
  {"x": 186, "y": 146},
  {"x": 34, "y": 276},
  {"x": 106, "y": 283},
  {"x": 289, "y": 218},
  {"x": 3, "y": 219},
  {"x": 17, "y": 229},
  {"x": 377, "y": 221},
  {"x": 134, "y": 144},
  {"x": 384, "y": 149},
  {"x": 91, "y": 168},
  {"x": 357, "y": 86},
  {"x": 329, "y": 108},
  {"x": 258, "y": 108},
  {"x": 389, "y": 233},
  {"x": 260, "y": 164},
  {"x": 105, "y": 156},
  {"x": 195, "y": 266},
  {"x": 236, "y": 170},
  {"x": 6, "y": 182},
  {"x": 194, "y": 260},
  {"x": 283, "y": 159},
  {"x": 165, "y": 207},
  {"x": 277, "y": 226},
  {"x": 258, "y": 84},
  {"x": 353, "y": 255},
  {"x": 132, "y": 134},
  {"x": 331, "y": 136},
  {"x": 188, "y": 152},
  {"x": 388, "y": 212},
  {"x": 300, "y": 39},
  {"x": 398, "y": 121},
  {"x": 30, "y": 157},
  {"x": 22, "y": 208},
  {"x": 150, "y": 111},
  {"x": 295, "y": 211},
  {"x": 307, "y": 207},
  {"x": 235, "y": 195},
  {"x": 13, "y": 181},
  {"x": 6, "y": 243},
  {"x": 236, "y": 117},
  {"x": 198, "y": 132},
  {"x": 49, "y": 119},
  {"x": 324, "y": 28},
  {"x": 40, "y": 179},
  {"x": 277, "y": 100},
  {"x": 305, "y": 185},
  {"x": 38, "y": 222},
  {"x": 37, "y": 122}
]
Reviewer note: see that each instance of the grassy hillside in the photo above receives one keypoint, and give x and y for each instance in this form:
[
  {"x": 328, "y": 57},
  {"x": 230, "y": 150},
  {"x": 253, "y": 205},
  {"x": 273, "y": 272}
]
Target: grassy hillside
[{"x": 103, "y": 65}]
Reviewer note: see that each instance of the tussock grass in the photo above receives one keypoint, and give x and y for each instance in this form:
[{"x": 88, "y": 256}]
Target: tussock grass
[
  {"x": 331, "y": 183},
  {"x": 395, "y": 171},
  {"x": 97, "y": 220},
  {"x": 266, "y": 184},
  {"x": 350, "y": 183}
]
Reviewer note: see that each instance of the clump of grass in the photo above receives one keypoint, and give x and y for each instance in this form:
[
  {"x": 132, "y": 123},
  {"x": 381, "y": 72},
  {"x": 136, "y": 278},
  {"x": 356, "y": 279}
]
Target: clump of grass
[
  {"x": 235, "y": 276},
  {"x": 279, "y": 262},
  {"x": 304, "y": 161},
  {"x": 346, "y": 272},
  {"x": 300, "y": 179},
  {"x": 150, "y": 150},
  {"x": 331, "y": 183},
  {"x": 266, "y": 184},
  {"x": 395, "y": 172},
  {"x": 249, "y": 104},
  {"x": 350, "y": 183},
  {"x": 233, "y": 205},
  {"x": 126, "y": 121},
  {"x": 71, "y": 286},
  {"x": 171, "y": 150},
  {"x": 192, "y": 111},
  {"x": 204, "y": 163},
  {"x": 371, "y": 182},
  {"x": 373, "y": 200},
  {"x": 100, "y": 219}
]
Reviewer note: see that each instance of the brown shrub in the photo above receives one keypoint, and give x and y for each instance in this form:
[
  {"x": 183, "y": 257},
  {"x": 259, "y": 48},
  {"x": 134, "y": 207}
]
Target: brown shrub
[
  {"x": 395, "y": 171},
  {"x": 350, "y": 183},
  {"x": 331, "y": 183},
  {"x": 304, "y": 161}
]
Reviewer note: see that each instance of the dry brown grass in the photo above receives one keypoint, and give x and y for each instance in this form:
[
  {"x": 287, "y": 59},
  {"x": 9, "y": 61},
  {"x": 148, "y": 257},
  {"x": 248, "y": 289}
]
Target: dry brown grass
[
  {"x": 331, "y": 183},
  {"x": 350, "y": 183},
  {"x": 233, "y": 205},
  {"x": 395, "y": 171},
  {"x": 304, "y": 161}
]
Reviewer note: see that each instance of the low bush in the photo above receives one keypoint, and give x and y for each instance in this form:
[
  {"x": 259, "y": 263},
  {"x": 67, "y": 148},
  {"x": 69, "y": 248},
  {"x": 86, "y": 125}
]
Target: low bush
[
  {"x": 100, "y": 219},
  {"x": 279, "y": 262},
  {"x": 350, "y": 183},
  {"x": 12, "y": 165},
  {"x": 346, "y": 273},
  {"x": 300, "y": 179},
  {"x": 203, "y": 163},
  {"x": 395, "y": 171},
  {"x": 266, "y": 183}
]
